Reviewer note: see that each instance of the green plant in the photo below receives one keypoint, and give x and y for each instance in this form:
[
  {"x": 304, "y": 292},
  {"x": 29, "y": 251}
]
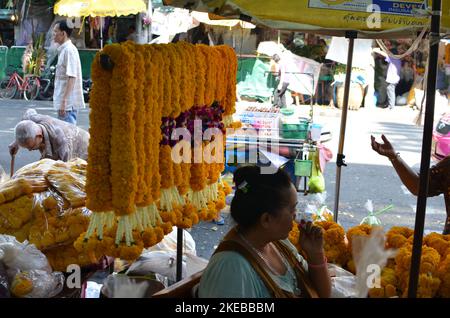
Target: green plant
[
  {"x": 342, "y": 69},
  {"x": 33, "y": 60}
]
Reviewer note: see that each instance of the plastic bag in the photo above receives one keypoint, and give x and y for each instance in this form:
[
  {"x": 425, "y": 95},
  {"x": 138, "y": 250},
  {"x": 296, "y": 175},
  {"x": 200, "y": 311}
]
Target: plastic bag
[
  {"x": 37, "y": 284},
  {"x": 3, "y": 176},
  {"x": 343, "y": 283},
  {"x": 55, "y": 223},
  {"x": 22, "y": 256},
  {"x": 15, "y": 214},
  {"x": 123, "y": 286},
  {"x": 372, "y": 219},
  {"x": 316, "y": 210},
  {"x": 316, "y": 182},
  {"x": 15, "y": 188},
  {"x": 370, "y": 257},
  {"x": 169, "y": 243},
  {"x": 4, "y": 283},
  {"x": 158, "y": 262},
  {"x": 69, "y": 184}
]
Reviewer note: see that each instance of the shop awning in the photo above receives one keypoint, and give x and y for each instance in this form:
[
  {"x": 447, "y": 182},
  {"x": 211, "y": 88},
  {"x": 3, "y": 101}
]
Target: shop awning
[{"x": 330, "y": 17}]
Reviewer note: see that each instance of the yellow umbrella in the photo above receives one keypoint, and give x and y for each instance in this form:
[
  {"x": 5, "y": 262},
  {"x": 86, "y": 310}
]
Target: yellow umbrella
[{"x": 99, "y": 8}]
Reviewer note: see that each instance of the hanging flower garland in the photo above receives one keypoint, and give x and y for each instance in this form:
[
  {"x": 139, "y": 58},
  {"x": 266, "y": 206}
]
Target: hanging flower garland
[
  {"x": 151, "y": 91},
  {"x": 200, "y": 76},
  {"x": 98, "y": 183},
  {"x": 175, "y": 73}
]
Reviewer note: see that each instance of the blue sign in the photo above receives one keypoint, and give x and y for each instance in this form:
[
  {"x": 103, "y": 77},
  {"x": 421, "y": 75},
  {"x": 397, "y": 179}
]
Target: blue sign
[{"x": 398, "y": 7}]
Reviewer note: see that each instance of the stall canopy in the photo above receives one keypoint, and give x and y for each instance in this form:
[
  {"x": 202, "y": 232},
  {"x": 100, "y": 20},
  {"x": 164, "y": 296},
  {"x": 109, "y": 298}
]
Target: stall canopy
[
  {"x": 99, "y": 8},
  {"x": 331, "y": 17},
  {"x": 354, "y": 19}
]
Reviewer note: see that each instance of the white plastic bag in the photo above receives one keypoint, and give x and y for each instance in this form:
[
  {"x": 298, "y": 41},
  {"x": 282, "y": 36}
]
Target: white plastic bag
[
  {"x": 343, "y": 283},
  {"x": 18, "y": 256},
  {"x": 121, "y": 286},
  {"x": 316, "y": 210},
  {"x": 370, "y": 257},
  {"x": 44, "y": 284},
  {"x": 157, "y": 262},
  {"x": 169, "y": 243},
  {"x": 372, "y": 218}
]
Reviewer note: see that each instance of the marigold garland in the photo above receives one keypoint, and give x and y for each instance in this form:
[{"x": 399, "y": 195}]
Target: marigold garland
[
  {"x": 200, "y": 76},
  {"x": 98, "y": 183},
  {"x": 149, "y": 83}
]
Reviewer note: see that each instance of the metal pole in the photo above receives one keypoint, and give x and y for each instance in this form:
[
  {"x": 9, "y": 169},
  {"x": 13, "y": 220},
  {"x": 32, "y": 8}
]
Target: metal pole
[
  {"x": 426, "y": 149},
  {"x": 351, "y": 35},
  {"x": 179, "y": 254},
  {"x": 101, "y": 33}
]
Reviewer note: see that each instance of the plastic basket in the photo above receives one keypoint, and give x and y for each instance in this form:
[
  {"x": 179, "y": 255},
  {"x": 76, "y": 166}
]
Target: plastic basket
[
  {"x": 295, "y": 131},
  {"x": 302, "y": 168}
]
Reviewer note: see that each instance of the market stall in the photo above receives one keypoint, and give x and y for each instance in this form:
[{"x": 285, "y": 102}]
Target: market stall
[{"x": 345, "y": 19}]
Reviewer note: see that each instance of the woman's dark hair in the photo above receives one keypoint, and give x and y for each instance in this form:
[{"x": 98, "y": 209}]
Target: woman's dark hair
[
  {"x": 257, "y": 193},
  {"x": 62, "y": 25}
]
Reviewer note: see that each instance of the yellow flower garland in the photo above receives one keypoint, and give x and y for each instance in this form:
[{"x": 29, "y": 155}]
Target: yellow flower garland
[
  {"x": 200, "y": 76},
  {"x": 98, "y": 183},
  {"x": 123, "y": 148}
]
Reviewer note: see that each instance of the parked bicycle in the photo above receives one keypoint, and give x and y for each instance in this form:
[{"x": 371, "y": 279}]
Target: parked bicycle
[{"x": 28, "y": 86}]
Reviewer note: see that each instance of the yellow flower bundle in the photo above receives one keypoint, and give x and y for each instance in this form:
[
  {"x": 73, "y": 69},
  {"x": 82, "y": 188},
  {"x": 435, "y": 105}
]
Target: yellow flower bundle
[
  {"x": 15, "y": 214},
  {"x": 294, "y": 236},
  {"x": 98, "y": 183},
  {"x": 439, "y": 242},
  {"x": 444, "y": 276},
  {"x": 427, "y": 288},
  {"x": 429, "y": 263},
  {"x": 388, "y": 285},
  {"x": 334, "y": 242},
  {"x": 398, "y": 236},
  {"x": 360, "y": 230},
  {"x": 22, "y": 284}
]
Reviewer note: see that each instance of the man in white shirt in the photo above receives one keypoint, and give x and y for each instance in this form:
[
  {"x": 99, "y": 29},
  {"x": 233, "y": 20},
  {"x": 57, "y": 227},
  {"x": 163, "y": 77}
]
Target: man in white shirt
[{"x": 68, "y": 94}]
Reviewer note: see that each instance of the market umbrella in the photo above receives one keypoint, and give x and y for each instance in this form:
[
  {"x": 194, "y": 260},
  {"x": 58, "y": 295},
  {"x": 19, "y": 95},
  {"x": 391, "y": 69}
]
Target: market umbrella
[
  {"x": 99, "y": 8},
  {"x": 342, "y": 18}
]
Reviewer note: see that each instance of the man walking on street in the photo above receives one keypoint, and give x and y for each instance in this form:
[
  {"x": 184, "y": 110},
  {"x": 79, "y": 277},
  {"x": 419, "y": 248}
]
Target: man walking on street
[
  {"x": 68, "y": 95},
  {"x": 393, "y": 74}
]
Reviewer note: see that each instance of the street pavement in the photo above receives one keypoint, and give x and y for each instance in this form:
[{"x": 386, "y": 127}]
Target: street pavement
[{"x": 367, "y": 176}]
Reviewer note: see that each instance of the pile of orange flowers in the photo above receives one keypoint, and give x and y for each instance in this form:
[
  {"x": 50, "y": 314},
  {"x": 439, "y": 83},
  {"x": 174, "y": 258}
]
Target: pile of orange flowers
[
  {"x": 134, "y": 187},
  {"x": 434, "y": 275}
]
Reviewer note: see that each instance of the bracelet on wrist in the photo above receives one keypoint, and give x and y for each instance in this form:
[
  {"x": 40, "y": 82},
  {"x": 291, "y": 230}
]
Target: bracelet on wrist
[
  {"x": 323, "y": 264},
  {"x": 397, "y": 155}
]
